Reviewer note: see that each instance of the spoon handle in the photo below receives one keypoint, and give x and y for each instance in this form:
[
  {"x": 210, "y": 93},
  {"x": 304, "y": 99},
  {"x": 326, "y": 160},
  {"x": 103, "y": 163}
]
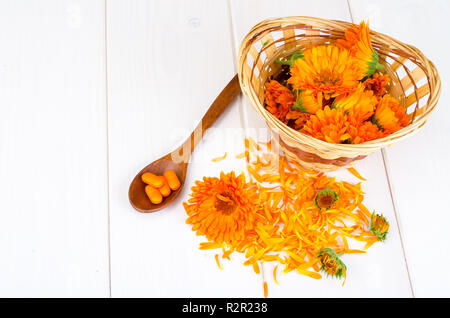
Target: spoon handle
[{"x": 215, "y": 110}]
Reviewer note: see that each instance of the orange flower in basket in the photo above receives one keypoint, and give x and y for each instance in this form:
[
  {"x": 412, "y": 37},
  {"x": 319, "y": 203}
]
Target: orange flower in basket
[
  {"x": 223, "y": 209},
  {"x": 389, "y": 115},
  {"x": 298, "y": 117},
  {"x": 279, "y": 99},
  {"x": 328, "y": 125},
  {"x": 308, "y": 102},
  {"x": 378, "y": 84},
  {"x": 360, "y": 103},
  {"x": 327, "y": 69},
  {"x": 357, "y": 41},
  {"x": 363, "y": 131}
]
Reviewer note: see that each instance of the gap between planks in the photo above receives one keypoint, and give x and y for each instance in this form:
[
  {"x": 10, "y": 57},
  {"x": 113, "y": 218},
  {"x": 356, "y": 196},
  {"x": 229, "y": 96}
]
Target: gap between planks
[
  {"x": 234, "y": 41},
  {"x": 389, "y": 183},
  {"x": 105, "y": 14},
  {"x": 241, "y": 102},
  {"x": 397, "y": 217}
]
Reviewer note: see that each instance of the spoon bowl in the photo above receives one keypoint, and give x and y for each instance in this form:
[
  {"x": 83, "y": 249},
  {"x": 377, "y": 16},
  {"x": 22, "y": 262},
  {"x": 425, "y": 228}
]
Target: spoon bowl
[
  {"x": 136, "y": 194},
  {"x": 139, "y": 199}
]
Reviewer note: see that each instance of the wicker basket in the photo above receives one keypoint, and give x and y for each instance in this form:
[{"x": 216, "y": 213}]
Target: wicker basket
[{"x": 415, "y": 82}]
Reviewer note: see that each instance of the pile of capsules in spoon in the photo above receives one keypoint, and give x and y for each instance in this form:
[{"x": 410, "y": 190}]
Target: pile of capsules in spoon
[{"x": 159, "y": 187}]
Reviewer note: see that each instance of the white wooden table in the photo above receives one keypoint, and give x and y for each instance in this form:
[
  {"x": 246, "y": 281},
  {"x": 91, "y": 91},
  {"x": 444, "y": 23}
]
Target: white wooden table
[{"x": 93, "y": 90}]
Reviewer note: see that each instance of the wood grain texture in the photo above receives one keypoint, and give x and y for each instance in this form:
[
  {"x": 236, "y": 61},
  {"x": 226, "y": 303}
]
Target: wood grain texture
[
  {"x": 53, "y": 184},
  {"x": 167, "y": 62},
  {"x": 381, "y": 272},
  {"x": 418, "y": 167}
]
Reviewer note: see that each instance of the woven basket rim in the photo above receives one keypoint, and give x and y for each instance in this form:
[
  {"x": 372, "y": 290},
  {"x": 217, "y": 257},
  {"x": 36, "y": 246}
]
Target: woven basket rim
[{"x": 272, "y": 121}]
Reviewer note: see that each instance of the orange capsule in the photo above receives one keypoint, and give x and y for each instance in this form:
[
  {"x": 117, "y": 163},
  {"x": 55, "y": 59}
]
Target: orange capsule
[
  {"x": 153, "y": 180},
  {"x": 172, "y": 179},
  {"x": 153, "y": 194},
  {"x": 165, "y": 189}
]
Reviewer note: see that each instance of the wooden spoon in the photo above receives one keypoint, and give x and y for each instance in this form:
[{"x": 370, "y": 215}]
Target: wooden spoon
[{"x": 178, "y": 159}]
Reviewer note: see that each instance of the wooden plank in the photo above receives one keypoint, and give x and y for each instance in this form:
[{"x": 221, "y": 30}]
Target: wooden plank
[
  {"x": 53, "y": 158},
  {"x": 419, "y": 170},
  {"x": 382, "y": 271},
  {"x": 167, "y": 61}
]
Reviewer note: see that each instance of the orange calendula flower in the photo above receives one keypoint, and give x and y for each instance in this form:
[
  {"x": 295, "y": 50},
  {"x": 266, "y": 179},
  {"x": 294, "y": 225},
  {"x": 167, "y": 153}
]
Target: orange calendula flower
[
  {"x": 378, "y": 84},
  {"x": 389, "y": 115},
  {"x": 223, "y": 209},
  {"x": 298, "y": 117},
  {"x": 308, "y": 102},
  {"x": 327, "y": 69},
  {"x": 328, "y": 125},
  {"x": 379, "y": 226},
  {"x": 357, "y": 41},
  {"x": 363, "y": 131},
  {"x": 360, "y": 103},
  {"x": 279, "y": 99}
]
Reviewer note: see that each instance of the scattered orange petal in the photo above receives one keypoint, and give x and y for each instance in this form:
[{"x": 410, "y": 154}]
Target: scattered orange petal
[
  {"x": 217, "y": 261},
  {"x": 219, "y": 158},
  {"x": 275, "y": 274},
  {"x": 273, "y": 218},
  {"x": 354, "y": 172}
]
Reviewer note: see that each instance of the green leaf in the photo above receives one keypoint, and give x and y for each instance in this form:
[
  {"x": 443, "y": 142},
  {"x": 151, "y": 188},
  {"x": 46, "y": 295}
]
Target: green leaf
[
  {"x": 282, "y": 62},
  {"x": 299, "y": 105},
  {"x": 297, "y": 55},
  {"x": 290, "y": 62},
  {"x": 373, "y": 65},
  {"x": 376, "y": 122}
]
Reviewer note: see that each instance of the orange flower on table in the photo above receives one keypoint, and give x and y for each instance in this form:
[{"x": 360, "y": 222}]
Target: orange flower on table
[
  {"x": 279, "y": 99},
  {"x": 357, "y": 41},
  {"x": 328, "y": 125},
  {"x": 378, "y": 84},
  {"x": 327, "y": 69},
  {"x": 360, "y": 103},
  {"x": 223, "y": 209},
  {"x": 389, "y": 115}
]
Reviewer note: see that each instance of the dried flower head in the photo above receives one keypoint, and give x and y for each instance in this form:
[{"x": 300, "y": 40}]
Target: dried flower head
[
  {"x": 331, "y": 263},
  {"x": 379, "y": 226},
  {"x": 326, "y": 198}
]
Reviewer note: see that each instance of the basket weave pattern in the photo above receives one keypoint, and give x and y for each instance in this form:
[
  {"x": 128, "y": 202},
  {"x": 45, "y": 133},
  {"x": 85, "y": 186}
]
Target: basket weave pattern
[{"x": 415, "y": 82}]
